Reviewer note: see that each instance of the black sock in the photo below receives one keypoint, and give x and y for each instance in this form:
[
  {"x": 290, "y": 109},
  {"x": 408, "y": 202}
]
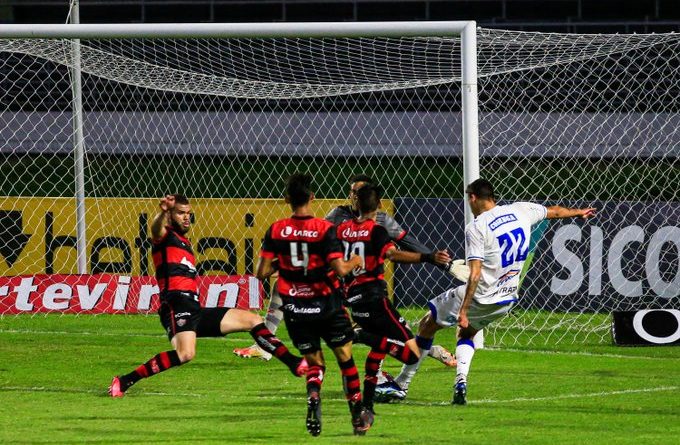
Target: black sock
[
  {"x": 158, "y": 363},
  {"x": 271, "y": 343}
]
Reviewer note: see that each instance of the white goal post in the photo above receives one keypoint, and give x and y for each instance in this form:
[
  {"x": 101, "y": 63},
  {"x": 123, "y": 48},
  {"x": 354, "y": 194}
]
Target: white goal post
[{"x": 224, "y": 112}]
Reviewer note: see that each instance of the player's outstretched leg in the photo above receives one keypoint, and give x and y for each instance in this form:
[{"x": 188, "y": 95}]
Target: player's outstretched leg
[
  {"x": 158, "y": 363},
  {"x": 271, "y": 344},
  {"x": 396, "y": 390},
  {"x": 396, "y": 348},
  {"x": 442, "y": 355},
  {"x": 272, "y": 321}
]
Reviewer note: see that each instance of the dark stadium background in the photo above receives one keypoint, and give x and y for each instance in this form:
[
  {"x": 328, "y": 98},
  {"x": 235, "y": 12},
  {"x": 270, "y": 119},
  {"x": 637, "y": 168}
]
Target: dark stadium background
[{"x": 579, "y": 16}]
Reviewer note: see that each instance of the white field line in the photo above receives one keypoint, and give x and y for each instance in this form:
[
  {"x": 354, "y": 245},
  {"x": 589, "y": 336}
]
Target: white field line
[
  {"x": 341, "y": 400},
  {"x": 514, "y": 400},
  {"x": 88, "y": 391},
  {"x": 241, "y": 340},
  {"x": 557, "y": 397},
  {"x": 579, "y": 353}
]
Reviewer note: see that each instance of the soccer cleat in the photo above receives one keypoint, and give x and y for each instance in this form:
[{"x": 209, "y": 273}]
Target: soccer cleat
[
  {"x": 314, "y": 414},
  {"x": 301, "y": 368},
  {"x": 459, "y": 394},
  {"x": 368, "y": 417},
  {"x": 253, "y": 351},
  {"x": 115, "y": 389},
  {"x": 362, "y": 418},
  {"x": 389, "y": 392},
  {"x": 440, "y": 353}
]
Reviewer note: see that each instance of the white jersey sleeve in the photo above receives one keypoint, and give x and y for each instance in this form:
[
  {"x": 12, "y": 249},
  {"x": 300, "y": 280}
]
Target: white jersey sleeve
[
  {"x": 535, "y": 213},
  {"x": 474, "y": 243}
]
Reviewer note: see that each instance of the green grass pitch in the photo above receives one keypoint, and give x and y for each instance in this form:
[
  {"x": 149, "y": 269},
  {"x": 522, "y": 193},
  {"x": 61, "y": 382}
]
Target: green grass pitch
[{"x": 54, "y": 372}]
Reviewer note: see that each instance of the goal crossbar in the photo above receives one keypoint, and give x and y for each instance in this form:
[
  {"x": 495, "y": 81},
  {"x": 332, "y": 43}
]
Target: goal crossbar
[{"x": 235, "y": 30}]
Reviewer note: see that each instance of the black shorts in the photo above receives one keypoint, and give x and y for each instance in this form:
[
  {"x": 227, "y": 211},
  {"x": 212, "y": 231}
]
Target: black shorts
[
  {"x": 181, "y": 312},
  {"x": 382, "y": 318},
  {"x": 336, "y": 330},
  {"x": 366, "y": 293}
]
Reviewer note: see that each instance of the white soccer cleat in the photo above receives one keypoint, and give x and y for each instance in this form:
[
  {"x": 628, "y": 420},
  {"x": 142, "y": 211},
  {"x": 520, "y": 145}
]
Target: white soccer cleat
[
  {"x": 441, "y": 354},
  {"x": 253, "y": 351},
  {"x": 389, "y": 392},
  {"x": 458, "y": 270}
]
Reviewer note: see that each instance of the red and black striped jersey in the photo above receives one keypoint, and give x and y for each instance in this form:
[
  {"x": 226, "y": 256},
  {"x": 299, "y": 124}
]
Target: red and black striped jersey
[
  {"x": 397, "y": 233},
  {"x": 304, "y": 246},
  {"x": 371, "y": 242},
  {"x": 175, "y": 263}
]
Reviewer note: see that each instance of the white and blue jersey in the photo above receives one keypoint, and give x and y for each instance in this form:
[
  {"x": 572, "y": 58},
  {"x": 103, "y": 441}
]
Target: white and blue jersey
[{"x": 500, "y": 238}]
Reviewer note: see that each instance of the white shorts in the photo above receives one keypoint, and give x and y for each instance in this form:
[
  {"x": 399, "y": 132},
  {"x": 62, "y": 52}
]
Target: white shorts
[{"x": 445, "y": 308}]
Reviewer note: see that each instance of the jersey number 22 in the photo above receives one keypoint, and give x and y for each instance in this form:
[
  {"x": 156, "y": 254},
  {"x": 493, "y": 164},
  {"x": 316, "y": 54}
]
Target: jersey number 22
[{"x": 514, "y": 246}]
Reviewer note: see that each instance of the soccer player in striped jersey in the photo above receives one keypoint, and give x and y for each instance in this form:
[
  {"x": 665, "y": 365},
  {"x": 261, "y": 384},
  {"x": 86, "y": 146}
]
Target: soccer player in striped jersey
[
  {"x": 496, "y": 246},
  {"x": 338, "y": 215},
  {"x": 180, "y": 312},
  {"x": 381, "y": 325},
  {"x": 310, "y": 259}
]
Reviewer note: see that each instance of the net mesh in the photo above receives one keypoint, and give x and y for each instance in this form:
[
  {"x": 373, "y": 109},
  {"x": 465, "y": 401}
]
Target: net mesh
[{"x": 575, "y": 120}]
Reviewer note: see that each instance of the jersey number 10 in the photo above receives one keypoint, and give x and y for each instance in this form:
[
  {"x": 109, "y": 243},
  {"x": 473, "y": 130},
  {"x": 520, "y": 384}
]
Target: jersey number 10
[
  {"x": 514, "y": 246},
  {"x": 356, "y": 248}
]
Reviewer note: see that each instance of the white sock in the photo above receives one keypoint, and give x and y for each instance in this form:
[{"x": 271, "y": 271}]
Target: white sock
[
  {"x": 408, "y": 371},
  {"x": 274, "y": 313},
  {"x": 465, "y": 350},
  {"x": 381, "y": 376}
]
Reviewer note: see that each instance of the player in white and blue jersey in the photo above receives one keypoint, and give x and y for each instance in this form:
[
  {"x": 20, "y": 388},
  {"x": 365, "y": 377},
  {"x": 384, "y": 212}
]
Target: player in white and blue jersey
[{"x": 496, "y": 246}]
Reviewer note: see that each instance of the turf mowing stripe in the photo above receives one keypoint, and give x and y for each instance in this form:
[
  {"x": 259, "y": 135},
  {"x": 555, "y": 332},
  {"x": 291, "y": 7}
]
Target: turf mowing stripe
[
  {"x": 342, "y": 400},
  {"x": 241, "y": 340}
]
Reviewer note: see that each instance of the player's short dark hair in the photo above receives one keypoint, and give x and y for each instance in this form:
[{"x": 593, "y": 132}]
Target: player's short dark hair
[
  {"x": 368, "y": 198},
  {"x": 361, "y": 178},
  {"x": 299, "y": 189},
  {"x": 180, "y": 199},
  {"x": 482, "y": 189}
]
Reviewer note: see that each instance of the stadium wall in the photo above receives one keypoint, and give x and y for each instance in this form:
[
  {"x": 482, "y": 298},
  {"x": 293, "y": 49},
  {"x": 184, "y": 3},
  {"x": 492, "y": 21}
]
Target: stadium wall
[{"x": 301, "y": 134}]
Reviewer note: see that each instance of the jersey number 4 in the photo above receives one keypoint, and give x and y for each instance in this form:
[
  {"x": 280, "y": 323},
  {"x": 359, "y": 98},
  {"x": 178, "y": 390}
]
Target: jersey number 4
[
  {"x": 299, "y": 256},
  {"x": 514, "y": 246}
]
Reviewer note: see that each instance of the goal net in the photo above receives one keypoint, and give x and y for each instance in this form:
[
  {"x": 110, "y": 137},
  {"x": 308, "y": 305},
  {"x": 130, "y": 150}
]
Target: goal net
[{"x": 575, "y": 120}]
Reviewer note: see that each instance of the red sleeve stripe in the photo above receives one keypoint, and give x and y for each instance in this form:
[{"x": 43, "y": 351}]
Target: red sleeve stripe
[
  {"x": 385, "y": 248},
  {"x": 333, "y": 256},
  {"x": 401, "y": 236},
  {"x": 266, "y": 254}
]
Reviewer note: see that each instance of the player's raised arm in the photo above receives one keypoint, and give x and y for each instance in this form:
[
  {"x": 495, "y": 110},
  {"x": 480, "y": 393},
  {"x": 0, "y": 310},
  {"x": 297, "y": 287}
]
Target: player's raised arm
[
  {"x": 439, "y": 257},
  {"x": 159, "y": 222},
  {"x": 264, "y": 268},
  {"x": 399, "y": 235},
  {"x": 342, "y": 267},
  {"x": 265, "y": 265},
  {"x": 558, "y": 212}
]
